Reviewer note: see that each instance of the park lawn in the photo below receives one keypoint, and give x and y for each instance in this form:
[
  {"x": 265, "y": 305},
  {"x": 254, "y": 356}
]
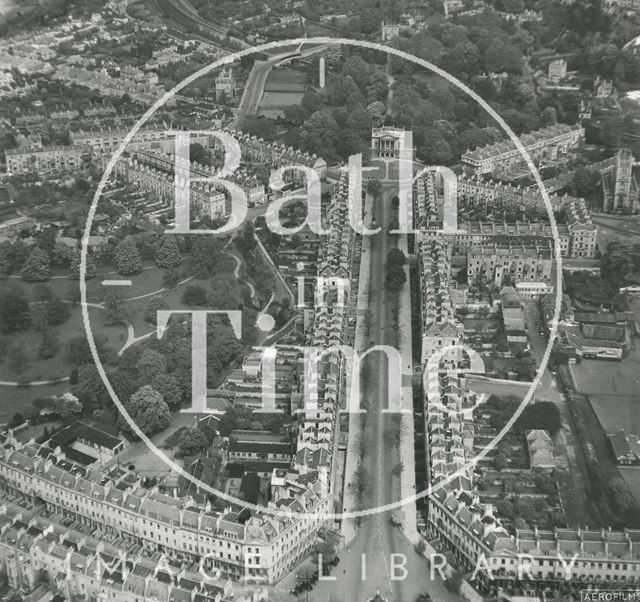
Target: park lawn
[
  {"x": 145, "y": 283},
  {"x": 173, "y": 297},
  {"x": 56, "y": 367},
  {"x": 34, "y": 431},
  {"x": 15, "y": 399},
  {"x": 59, "y": 286}
]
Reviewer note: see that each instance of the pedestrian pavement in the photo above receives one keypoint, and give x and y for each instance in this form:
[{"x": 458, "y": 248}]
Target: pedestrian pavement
[
  {"x": 349, "y": 501},
  {"x": 407, "y": 435}
]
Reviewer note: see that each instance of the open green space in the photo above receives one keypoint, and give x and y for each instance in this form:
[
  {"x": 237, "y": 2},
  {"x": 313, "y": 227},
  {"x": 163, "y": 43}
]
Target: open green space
[
  {"x": 16, "y": 399},
  {"x": 58, "y": 366}
]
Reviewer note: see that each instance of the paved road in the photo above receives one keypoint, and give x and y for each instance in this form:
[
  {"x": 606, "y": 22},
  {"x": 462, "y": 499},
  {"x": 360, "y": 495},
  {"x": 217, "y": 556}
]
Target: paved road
[
  {"x": 253, "y": 90},
  {"x": 377, "y": 539}
]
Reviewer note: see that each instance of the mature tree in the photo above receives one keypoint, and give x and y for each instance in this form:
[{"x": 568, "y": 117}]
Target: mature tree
[
  {"x": 222, "y": 342},
  {"x": 207, "y": 257},
  {"x": 394, "y": 279},
  {"x": 325, "y": 549},
  {"x": 198, "y": 154},
  {"x": 90, "y": 390},
  {"x": 14, "y": 311},
  {"x": 74, "y": 267},
  {"x": 18, "y": 359},
  {"x": 238, "y": 417},
  {"x": 374, "y": 187},
  {"x": 39, "y": 317},
  {"x": 127, "y": 257},
  {"x": 618, "y": 262},
  {"x": 150, "y": 364},
  {"x": 395, "y": 258},
  {"x": 168, "y": 253},
  {"x": 155, "y": 305},
  {"x": 170, "y": 278},
  {"x": 454, "y": 582},
  {"x": 170, "y": 388},
  {"x": 295, "y": 114},
  {"x": 434, "y": 149},
  {"x": 148, "y": 410},
  {"x": 224, "y": 293},
  {"x": 549, "y": 117},
  {"x": 61, "y": 256},
  {"x": 116, "y": 309},
  {"x": 16, "y": 420},
  {"x": 501, "y": 56},
  {"x": 311, "y": 101},
  {"x": 377, "y": 112},
  {"x": 543, "y": 415},
  {"x": 48, "y": 345},
  {"x": 37, "y": 267},
  {"x": 585, "y": 182},
  {"x": 611, "y": 130},
  {"x": 67, "y": 406},
  {"x": 624, "y": 498},
  {"x": 378, "y": 87},
  {"x": 339, "y": 88},
  {"x": 319, "y": 134},
  {"x": 6, "y": 259},
  {"x": 245, "y": 238},
  {"x": 147, "y": 244},
  {"x": 262, "y": 127},
  {"x": 58, "y": 312},
  {"x": 192, "y": 442},
  {"x": 78, "y": 351},
  {"x": 20, "y": 251},
  {"x": 194, "y": 294},
  {"x": 359, "y": 121}
]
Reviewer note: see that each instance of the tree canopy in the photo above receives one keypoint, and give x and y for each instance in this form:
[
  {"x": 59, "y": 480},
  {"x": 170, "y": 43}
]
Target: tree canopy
[{"x": 148, "y": 410}]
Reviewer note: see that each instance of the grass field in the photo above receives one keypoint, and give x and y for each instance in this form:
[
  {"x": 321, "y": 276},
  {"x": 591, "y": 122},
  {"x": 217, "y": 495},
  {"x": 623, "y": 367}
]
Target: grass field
[
  {"x": 14, "y": 399},
  {"x": 144, "y": 286},
  {"x": 57, "y": 367}
]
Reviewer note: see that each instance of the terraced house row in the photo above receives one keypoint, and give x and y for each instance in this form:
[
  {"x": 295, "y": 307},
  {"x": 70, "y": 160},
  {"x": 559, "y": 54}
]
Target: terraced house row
[
  {"x": 324, "y": 380},
  {"x": 576, "y": 232},
  {"x": 440, "y": 328},
  {"x": 471, "y": 532},
  {"x": 84, "y": 567}
]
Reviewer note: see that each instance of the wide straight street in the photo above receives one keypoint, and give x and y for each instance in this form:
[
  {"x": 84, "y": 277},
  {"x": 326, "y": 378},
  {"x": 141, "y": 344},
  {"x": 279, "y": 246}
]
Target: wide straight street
[{"x": 379, "y": 558}]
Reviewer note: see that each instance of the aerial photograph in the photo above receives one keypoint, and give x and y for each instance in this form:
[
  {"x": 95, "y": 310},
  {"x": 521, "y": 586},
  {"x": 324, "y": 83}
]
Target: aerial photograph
[{"x": 319, "y": 300}]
